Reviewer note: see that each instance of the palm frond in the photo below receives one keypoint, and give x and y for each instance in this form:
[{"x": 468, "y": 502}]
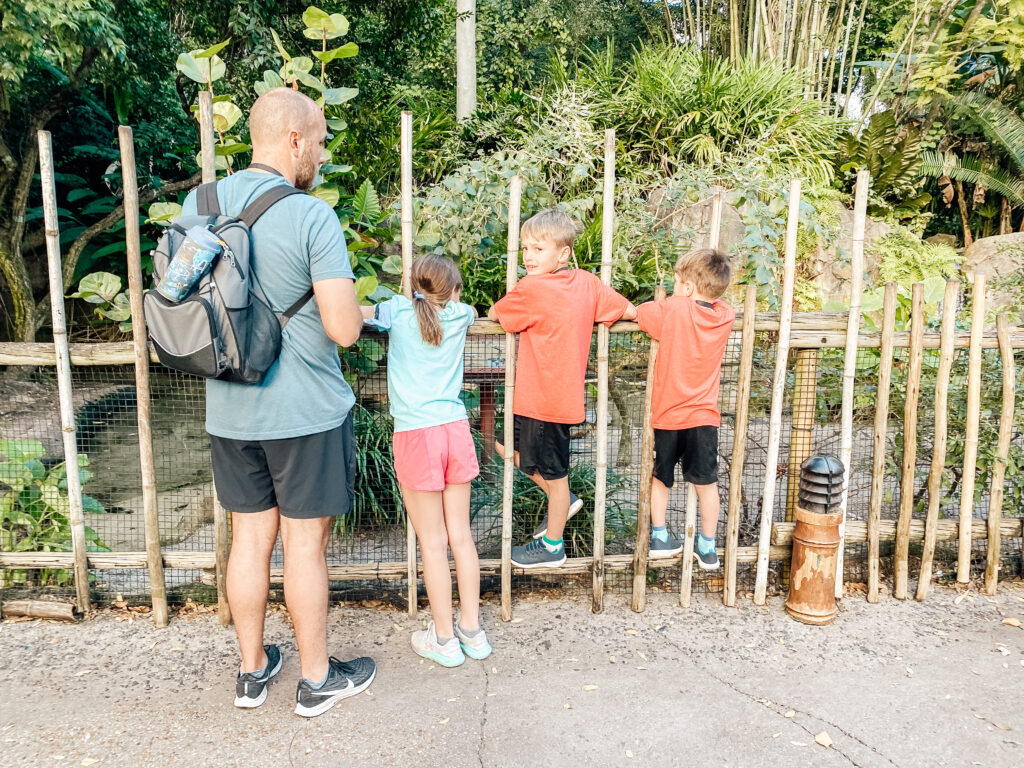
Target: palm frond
[
  {"x": 999, "y": 123},
  {"x": 973, "y": 171}
]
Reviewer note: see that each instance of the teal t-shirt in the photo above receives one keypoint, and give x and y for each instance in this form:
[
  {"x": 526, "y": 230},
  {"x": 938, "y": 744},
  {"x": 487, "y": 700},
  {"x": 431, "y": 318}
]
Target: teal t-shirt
[
  {"x": 296, "y": 243},
  {"x": 424, "y": 381}
]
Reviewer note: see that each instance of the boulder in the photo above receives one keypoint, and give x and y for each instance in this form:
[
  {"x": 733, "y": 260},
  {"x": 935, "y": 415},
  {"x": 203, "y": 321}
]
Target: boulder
[{"x": 1001, "y": 258}]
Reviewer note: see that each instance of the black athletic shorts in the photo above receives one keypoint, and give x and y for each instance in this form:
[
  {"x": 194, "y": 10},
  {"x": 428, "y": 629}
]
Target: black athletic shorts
[
  {"x": 694, "y": 449},
  {"x": 543, "y": 447},
  {"x": 304, "y": 477}
]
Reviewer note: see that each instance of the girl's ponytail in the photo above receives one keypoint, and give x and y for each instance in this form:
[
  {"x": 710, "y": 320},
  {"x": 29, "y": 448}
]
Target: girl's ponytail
[
  {"x": 427, "y": 315},
  {"x": 434, "y": 279}
]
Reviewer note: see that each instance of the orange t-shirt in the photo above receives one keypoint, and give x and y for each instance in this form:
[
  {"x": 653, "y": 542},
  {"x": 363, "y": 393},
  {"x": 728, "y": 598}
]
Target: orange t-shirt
[
  {"x": 689, "y": 366},
  {"x": 555, "y": 315}
]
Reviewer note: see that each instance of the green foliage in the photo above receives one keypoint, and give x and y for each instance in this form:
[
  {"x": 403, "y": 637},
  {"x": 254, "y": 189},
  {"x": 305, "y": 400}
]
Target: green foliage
[
  {"x": 103, "y": 290},
  {"x": 906, "y": 259},
  {"x": 973, "y": 170},
  {"x": 378, "y": 500}
]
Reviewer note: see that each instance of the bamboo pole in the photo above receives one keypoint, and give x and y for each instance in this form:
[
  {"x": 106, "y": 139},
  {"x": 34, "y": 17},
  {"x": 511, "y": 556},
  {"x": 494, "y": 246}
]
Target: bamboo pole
[
  {"x": 880, "y": 438},
  {"x": 515, "y": 199},
  {"x": 643, "y": 511},
  {"x": 206, "y": 140},
  {"x": 995, "y": 506},
  {"x": 407, "y": 235},
  {"x": 42, "y": 609},
  {"x": 909, "y": 442},
  {"x": 801, "y": 441},
  {"x": 63, "y": 355},
  {"x": 465, "y": 59},
  {"x": 739, "y": 445},
  {"x": 853, "y": 61},
  {"x": 690, "y": 528},
  {"x": 860, "y": 213},
  {"x": 157, "y": 585},
  {"x": 949, "y": 302},
  {"x": 601, "y": 480},
  {"x": 778, "y": 387},
  {"x": 963, "y": 564}
]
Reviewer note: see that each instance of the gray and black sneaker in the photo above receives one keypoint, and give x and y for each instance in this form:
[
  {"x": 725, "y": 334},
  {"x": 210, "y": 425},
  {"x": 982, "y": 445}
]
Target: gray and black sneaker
[
  {"x": 536, "y": 555},
  {"x": 250, "y": 689},
  {"x": 673, "y": 545},
  {"x": 708, "y": 562},
  {"x": 344, "y": 679},
  {"x": 575, "y": 505}
]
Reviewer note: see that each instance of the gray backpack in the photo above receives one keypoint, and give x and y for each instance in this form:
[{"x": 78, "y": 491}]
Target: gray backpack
[{"x": 224, "y": 328}]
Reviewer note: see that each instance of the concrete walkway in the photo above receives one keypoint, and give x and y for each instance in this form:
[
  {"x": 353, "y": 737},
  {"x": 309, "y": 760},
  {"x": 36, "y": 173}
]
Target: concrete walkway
[{"x": 896, "y": 684}]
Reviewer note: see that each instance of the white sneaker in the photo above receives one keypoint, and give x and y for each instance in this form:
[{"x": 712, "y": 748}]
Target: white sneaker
[
  {"x": 424, "y": 642},
  {"x": 476, "y": 647}
]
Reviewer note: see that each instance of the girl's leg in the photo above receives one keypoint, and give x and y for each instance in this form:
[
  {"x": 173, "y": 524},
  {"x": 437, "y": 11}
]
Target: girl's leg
[
  {"x": 467, "y": 563},
  {"x": 426, "y": 511}
]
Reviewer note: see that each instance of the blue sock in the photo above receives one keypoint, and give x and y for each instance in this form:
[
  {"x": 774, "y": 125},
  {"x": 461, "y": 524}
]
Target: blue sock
[
  {"x": 659, "y": 532},
  {"x": 552, "y": 546},
  {"x": 705, "y": 545}
]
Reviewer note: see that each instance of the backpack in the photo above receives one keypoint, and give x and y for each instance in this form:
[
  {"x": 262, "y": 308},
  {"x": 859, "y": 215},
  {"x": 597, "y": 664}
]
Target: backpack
[{"x": 224, "y": 328}]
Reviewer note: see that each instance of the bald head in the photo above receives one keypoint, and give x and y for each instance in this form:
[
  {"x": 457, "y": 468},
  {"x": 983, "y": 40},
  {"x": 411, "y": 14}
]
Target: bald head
[{"x": 278, "y": 112}]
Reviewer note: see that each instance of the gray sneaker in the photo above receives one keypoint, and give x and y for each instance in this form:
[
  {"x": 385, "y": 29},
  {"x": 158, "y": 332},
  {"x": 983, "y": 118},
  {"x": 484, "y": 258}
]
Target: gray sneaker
[
  {"x": 251, "y": 689},
  {"x": 536, "y": 555},
  {"x": 708, "y": 562},
  {"x": 575, "y": 505},
  {"x": 673, "y": 545},
  {"x": 344, "y": 679}
]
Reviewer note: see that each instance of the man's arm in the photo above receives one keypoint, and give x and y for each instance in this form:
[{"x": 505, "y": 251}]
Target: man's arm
[{"x": 339, "y": 309}]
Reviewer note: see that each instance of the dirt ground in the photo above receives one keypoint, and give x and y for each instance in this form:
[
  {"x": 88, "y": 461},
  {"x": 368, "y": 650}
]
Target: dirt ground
[{"x": 895, "y": 684}]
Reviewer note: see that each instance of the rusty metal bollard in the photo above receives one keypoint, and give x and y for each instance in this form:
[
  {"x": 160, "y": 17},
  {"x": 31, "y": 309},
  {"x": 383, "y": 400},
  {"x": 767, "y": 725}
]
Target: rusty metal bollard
[{"x": 812, "y": 580}]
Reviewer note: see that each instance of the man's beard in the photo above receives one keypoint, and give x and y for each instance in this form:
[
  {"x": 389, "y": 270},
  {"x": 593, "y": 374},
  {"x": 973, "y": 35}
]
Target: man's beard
[{"x": 306, "y": 172}]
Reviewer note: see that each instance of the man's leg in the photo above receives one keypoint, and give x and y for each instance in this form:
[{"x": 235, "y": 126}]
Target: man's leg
[
  {"x": 248, "y": 580},
  {"x": 305, "y": 589}
]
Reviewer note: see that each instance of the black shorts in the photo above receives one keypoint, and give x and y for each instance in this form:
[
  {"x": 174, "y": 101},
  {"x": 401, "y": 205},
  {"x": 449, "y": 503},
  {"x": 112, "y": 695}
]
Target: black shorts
[
  {"x": 304, "y": 477},
  {"x": 694, "y": 449},
  {"x": 543, "y": 447}
]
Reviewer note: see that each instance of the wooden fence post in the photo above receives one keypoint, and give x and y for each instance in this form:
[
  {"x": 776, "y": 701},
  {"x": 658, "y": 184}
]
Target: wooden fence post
[
  {"x": 739, "y": 445},
  {"x": 860, "y": 212},
  {"x": 995, "y": 506},
  {"x": 778, "y": 387},
  {"x": 880, "y": 436},
  {"x": 515, "y": 199},
  {"x": 963, "y": 560},
  {"x": 909, "y": 442},
  {"x": 154, "y": 558},
  {"x": 207, "y": 143},
  {"x": 63, "y": 356},
  {"x": 407, "y": 235},
  {"x": 949, "y": 302},
  {"x": 601, "y": 478}
]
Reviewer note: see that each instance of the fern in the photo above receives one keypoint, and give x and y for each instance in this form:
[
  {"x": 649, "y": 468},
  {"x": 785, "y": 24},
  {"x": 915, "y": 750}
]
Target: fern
[
  {"x": 1000, "y": 124},
  {"x": 971, "y": 170}
]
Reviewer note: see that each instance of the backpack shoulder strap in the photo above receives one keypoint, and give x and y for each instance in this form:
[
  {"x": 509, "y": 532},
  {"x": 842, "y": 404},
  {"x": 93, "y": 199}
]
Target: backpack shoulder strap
[
  {"x": 206, "y": 199},
  {"x": 289, "y": 313},
  {"x": 264, "y": 202}
]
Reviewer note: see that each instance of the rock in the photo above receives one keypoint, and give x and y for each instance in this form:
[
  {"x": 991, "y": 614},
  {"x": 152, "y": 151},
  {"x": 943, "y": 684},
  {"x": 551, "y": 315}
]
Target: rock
[
  {"x": 1000, "y": 257},
  {"x": 944, "y": 239},
  {"x": 182, "y": 511},
  {"x": 834, "y": 263}
]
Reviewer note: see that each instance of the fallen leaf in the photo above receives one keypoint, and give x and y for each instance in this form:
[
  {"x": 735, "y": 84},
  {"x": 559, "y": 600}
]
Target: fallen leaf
[
  {"x": 629, "y": 754},
  {"x": 791, "y": 713},
  {"x": 442, "y": 722},
  {"x": 589, "y": 687},
  {"x": 641, "y": 655},
  {"x": 494, "y": 670},
  {"x": 1002, "y": 727},
  {"x": 1004, "y": 651},
  {"x": 630, "y": 631},
  {"x": 776, "y": 735},
  {"x": 798, "y": 744},
  {"x": 823, "y": 739},
  {"x": 399, "y": 627},
  {"x": 516, "y": 621},
  {"x": 177, "y": 648},
  {"x": 89, "y": 761},
  {"x": 646, "y": 667},
  {"x": 452, "y": 699},
  {"x": 1011, "y": 621}
]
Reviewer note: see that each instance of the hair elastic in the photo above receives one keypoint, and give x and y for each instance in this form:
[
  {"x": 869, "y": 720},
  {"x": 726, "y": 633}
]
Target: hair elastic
[{"x": 418, "y": 295}]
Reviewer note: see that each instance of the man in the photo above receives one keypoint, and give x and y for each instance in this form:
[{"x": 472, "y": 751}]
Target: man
[{"x": 283, "y": 450}]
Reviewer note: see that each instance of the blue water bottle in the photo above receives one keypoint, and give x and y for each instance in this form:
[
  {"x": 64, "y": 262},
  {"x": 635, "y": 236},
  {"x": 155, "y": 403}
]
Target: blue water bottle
[{"x": 195, "y": 255}]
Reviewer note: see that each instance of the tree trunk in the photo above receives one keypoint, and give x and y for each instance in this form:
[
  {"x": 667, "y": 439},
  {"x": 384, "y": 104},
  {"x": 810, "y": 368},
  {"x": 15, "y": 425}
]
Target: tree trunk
[
  {"x": 18, "y": 283},
  {"x": 962, "y": 203},
  {"x": 465, "y": 59}
]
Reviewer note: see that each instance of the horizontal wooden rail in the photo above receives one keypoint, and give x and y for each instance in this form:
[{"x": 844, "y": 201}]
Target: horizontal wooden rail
[{"x": 945, "y": 530}]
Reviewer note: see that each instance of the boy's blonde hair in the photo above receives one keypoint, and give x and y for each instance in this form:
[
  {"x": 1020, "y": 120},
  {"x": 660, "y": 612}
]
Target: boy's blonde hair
[
  {"x": 709, "y": 269},
  {"x": 552, "y": 224}
]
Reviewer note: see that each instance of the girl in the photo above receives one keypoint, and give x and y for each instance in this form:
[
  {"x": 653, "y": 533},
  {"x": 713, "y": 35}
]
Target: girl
[{"x": 435, "y": 458}]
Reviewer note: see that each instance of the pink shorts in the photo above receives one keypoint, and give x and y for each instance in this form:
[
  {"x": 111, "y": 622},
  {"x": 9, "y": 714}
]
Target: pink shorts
[{"x": 428, "y": 459}]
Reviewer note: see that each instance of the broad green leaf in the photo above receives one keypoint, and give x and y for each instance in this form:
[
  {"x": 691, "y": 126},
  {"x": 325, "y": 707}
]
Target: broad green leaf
[
  {"x": 934, "y": 289},
  {"x": 91, "y": 506},
  {"x": 340, "y": 95},
  {"x": 98, "y": 287},
  {"x": 366, "y": 204},
  {"x": 280, "y": 47},
  {"x": 319, "y": 25},
  {"x": 392, "y": 264},
  {"x": 119, "y": 311},
  {"x": 365, "y": 286},
  {"x": 15, "y": 474},
  {"x": 189, "y": 67},
  {"x": 270, "y": 80},
  {"x": 225, "y": 115},
  {"x": 230, "y": 147},
  {"x": 334, "y": 123},
  {"x": 212, "y": 50},
  {"x": 21, "y": 450},
  {"x": 327, "y": 192},
  {"x": 163, "y": 213},
  {"x": 347, "y": 51},
  {"x": 210, "y": 69},
  {"x": 313, "y": 17},
  {"x": 309, "y": 81},
  {"x": 872, "y": 300}
]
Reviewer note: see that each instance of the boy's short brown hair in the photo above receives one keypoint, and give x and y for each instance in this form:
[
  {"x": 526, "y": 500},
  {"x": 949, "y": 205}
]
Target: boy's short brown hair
[
  {"x": 551, "y": 224},
  {"x": 709, "y": 269}
]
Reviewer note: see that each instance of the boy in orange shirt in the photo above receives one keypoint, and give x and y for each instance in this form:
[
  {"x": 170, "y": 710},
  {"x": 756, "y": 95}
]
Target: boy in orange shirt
[
  {"x": 554, "y": 309},
  {"x": 693, "y": 327}
]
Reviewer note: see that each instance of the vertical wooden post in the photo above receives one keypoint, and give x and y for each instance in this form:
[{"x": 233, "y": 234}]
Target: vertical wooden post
[
  {"x": 909, "y": 441},
  {"x": 407, "y": 235},
  {"x": 601, "y": 479},
  {"x": 860, "y": 213},
  {"x": 465, "y": 59},
  {"x": 515, "y": 199},
  {"x": 881, "y": 436},
  {"x": 995, "y": 506},
  {"x": 963, "y": 560},
  {"x": 778, "y": 387},
  {"x": 207, "y": 142},
  {"x": 715, "y": 230},
  {"x": 63, "y": 355},
  {"x": 941, "y": 433},
  {"x": 739, "y": 445},
  {"x": 154, "y": 558},
  {"x": 643, "y": 511}
]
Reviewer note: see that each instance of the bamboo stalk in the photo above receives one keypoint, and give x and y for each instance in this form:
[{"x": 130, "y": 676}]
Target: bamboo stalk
[
  {"x": 715, "y": 229},
  {"x": 853, "y": 60},
  {"x": 995, "y": 506},
  {"x": 407, "y": 235},
  {"x": 42, "y": 609},
  {"x": 949, "y": 302},
  {"x": 836, "y": 52},
  {"x": 880, "y": 438},
  {"x": 860, "y": 213},
  {"x": 63, "y": 357},
  {"x": 963, "y": 565},
  {"x": 909, "y": 442},
  {"x": 515, "y": 199},
  {"x": 207, "y": 142},
  {"x": 739, "y": 445},
  {"x": 643, "y": 511},
  {"x": 778, "y": 387},
  {"x": 601, "y": 479},
  {"x": 686, "y": 577},
  {"x": 801, "y": 441},
  {"x": 157, "y": 585}
]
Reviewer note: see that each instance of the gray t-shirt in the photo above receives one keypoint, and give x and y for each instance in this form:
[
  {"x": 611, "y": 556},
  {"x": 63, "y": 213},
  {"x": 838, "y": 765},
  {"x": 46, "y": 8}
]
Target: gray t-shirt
[{"x": 295, "y": 243}]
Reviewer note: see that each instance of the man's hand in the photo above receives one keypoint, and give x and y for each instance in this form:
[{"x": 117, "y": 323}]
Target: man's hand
[{"x": 339, "y": 309}]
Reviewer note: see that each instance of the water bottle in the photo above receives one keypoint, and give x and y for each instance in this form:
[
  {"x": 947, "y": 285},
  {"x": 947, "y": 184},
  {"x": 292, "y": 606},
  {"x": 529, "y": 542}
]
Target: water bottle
[{"x": 195, "y": 255}]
